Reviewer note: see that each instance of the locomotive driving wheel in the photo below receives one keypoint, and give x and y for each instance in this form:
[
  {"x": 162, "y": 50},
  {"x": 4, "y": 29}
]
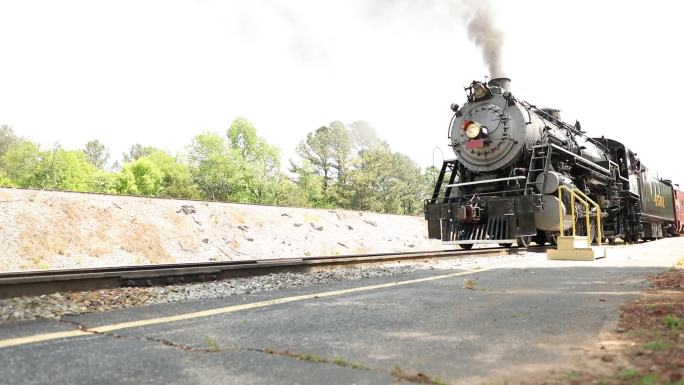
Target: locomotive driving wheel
[
  {"x": 524, "y": 241},
  {"x": 540, "y": 239},
  {"x": 552, "y": 237}
]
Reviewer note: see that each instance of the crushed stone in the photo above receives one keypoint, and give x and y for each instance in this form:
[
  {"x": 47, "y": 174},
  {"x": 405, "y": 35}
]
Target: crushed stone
[{"x": 56, "y": 305}]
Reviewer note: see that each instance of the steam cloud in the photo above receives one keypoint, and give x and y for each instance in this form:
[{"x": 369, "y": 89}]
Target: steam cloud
[{"x": 485, "y": 34}]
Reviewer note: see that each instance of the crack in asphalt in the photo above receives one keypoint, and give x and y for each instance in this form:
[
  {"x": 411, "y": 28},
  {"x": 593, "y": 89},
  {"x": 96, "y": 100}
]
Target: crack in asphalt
[
  {"x": 397, "y": 373},
  {"x": 165, "y": 342}
]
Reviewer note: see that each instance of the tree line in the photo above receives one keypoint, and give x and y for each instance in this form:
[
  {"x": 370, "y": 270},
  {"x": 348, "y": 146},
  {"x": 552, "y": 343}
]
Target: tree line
[{"x": 337, "y": 166}]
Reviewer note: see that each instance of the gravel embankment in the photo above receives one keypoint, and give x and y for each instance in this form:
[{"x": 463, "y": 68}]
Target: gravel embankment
[
  {"x": 63, "y": 230},
  {"x": 60, "y": 304}
]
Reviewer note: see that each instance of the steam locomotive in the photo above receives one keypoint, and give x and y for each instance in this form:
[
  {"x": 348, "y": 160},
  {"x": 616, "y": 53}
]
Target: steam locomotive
[{"x": 512, "y": 158}]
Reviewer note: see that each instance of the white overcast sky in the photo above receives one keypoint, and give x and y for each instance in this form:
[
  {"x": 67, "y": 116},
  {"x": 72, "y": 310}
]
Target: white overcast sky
[{"x": 160, "y": 72}]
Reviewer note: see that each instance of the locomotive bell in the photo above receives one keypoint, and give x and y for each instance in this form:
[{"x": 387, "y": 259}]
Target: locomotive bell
[{"x": 479, "y": 91}]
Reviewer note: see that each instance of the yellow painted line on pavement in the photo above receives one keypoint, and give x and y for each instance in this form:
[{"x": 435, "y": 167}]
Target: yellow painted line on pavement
[
  {"x": 41, "y": 338},
  {"x": 222, "y": 310}
]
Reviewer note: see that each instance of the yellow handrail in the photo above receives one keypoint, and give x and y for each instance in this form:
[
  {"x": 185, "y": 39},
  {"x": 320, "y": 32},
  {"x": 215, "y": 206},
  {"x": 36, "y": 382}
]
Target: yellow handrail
[
  {"x": 599, "y": 231},
  {"x": 562, "y": 188},
  {"x": 584, "y": 200}
]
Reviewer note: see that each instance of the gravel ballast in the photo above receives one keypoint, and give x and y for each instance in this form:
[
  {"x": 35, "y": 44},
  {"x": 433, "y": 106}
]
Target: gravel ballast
[{"x": 55, "y": 305}]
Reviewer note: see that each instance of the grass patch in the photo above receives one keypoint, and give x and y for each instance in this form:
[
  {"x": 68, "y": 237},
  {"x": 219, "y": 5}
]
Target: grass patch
[
  {"x": 628, "y": 374},
  {"x": 339, "y": 361},
  {"x": 574, "y": 376},
  {"x": 672, "y": 322},
  {"x": 418, "y": 378},
  {"x": 656, "y": 345},
  {"x": 211, "y": 344}
]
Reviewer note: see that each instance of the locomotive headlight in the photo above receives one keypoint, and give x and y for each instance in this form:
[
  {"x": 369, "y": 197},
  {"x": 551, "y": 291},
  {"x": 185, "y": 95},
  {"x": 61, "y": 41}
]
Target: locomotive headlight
[{"x": 472, "y": 130}]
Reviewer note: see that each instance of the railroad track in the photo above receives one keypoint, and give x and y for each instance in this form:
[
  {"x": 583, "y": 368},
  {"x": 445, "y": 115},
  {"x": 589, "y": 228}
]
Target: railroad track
[{"x": 25, "y": 283}]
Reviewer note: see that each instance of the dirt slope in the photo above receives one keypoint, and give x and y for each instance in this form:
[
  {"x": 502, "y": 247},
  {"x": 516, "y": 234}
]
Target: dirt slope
[{"x": 41, "y": 229}]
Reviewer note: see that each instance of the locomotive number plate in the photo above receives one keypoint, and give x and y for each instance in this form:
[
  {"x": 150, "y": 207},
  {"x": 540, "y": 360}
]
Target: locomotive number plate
[{"x": 474, "y": 143}]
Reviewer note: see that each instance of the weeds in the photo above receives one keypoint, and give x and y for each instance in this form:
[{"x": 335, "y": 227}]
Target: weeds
[
  {"x": 211, "y": 344},
  {"x": 469, "y": 284},
  {"x": 656, "y": 345},
  {"x": 339, "y": 361},
  {"x": 574, "y": 376},
  {"x": 418, "y": 378},
  {"x": 672, "y": 322},
  {"x": 628, "y": 373}
]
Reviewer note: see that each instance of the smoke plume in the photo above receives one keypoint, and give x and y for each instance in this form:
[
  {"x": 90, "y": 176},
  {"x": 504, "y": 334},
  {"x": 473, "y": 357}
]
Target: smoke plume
[{"x": 483, "y": 31}]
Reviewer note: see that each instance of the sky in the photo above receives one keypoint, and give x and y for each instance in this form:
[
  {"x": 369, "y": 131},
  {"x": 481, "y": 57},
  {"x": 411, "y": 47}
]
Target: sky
[{"x": 160, "y": 72}]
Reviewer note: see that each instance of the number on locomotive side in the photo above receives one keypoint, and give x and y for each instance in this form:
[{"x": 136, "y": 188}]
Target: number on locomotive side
[{"x": 659, "y": 201}]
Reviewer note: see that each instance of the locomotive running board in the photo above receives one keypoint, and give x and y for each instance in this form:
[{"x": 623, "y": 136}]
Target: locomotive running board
[{"x": 581, "y": 160}]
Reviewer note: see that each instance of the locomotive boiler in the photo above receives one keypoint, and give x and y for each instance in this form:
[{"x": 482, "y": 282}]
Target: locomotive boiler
[{"x": 511, "y": 159}]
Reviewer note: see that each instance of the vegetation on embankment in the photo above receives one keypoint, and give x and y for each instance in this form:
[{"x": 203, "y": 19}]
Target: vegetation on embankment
[{"x": 336, "y": 167}]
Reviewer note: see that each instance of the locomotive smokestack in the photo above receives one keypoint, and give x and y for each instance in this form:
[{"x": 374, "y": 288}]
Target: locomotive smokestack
[{"x": 504, "y": 83}]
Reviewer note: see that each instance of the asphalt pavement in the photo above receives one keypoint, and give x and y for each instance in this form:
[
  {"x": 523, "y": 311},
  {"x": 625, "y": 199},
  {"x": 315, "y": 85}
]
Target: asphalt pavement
[{"x": 501, "y": 323}]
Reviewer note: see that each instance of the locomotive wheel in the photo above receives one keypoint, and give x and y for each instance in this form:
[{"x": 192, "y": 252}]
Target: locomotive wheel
[
  {"x": 629, "y": 236},
  {"x": 552, "y": 236},
  {"x": 524, "y": 241},
  {"x": 505, "y": 244},
  {"x": 540, "y": 238},
  {"x": 467, "y": 246}
]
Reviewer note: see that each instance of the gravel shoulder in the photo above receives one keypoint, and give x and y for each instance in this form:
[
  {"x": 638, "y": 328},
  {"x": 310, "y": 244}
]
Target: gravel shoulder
[
  {"x": 663, "y": 253},
  {"x": 56, "y": 305}
]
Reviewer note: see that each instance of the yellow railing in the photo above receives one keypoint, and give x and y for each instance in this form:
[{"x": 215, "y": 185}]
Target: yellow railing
[{"x": 577, "y": 194}]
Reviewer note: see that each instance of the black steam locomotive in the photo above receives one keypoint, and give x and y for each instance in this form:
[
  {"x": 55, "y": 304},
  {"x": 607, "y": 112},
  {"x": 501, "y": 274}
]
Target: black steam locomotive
[{"x": 511, "y": 160}]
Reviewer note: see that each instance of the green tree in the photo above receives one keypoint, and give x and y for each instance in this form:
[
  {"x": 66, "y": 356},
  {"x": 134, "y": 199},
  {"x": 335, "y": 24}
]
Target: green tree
[
  {"x": 258, "y": 163},
  {"x": 213, "y": 167},
  {"x": 328, "y": 151},
  {"x": 387, "y": 182},
  {"x": 137, "y": 151},
  {"x": 20, "y": 162},
  {"x": 140, "y": 177},
  {"x": 177, "y": 178},
  {"x": 96, "y": 153},
  {"x": 309, "y": 185},
  {"x": 364, "y": 136},
  {"x": 64, "y": 170},
  {"x": 103, "y": 181},
  {"x": 5, "y": 181},
  {"x": 7, "y": 138}
]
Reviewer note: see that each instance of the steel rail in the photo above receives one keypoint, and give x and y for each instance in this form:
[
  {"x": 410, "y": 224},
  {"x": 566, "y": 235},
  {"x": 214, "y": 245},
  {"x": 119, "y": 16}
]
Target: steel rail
[{"x": 37, "y": 282}]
